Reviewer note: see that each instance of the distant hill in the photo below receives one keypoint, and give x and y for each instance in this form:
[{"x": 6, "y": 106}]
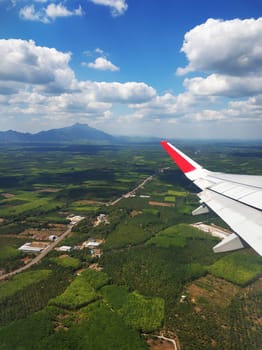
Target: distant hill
[
  {"x": 76, "y": 133},
  {"x": 11, "y": 136}
]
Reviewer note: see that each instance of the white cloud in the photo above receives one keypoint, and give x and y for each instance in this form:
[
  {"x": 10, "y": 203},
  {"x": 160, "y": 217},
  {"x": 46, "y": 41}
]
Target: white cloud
[
  {"x": 129, "y": 92},
  {"x": 118, "y": 7},
  {"x": 159, "y": 106},
  {"x": 114, "y": 92},
  {"x": 44, "y": 68},
  {"x": 232, "y": 47},
  {"x": 91, "y": 102},
  {"x": 49, "y": 13},
  {"x": 229, "y": 53},
  {"x": 224, "y": 85},
  {"x": 250, "y": 109},
  {"x": 24, "y": 62},
  {"x": 169, "y": 106},
  {"x": 100, "y": 51},
  {"x": 29, "y": 13},
  {"x": 37, "y": 82},
  {"x": 58, "y": 10},
  {"x": 102, "y": 63},
  {"x": 208, "y": 115}
]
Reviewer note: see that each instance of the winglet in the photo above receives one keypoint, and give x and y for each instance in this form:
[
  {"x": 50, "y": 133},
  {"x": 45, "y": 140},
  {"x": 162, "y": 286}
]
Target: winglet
[{"x": 185, "y": 163}]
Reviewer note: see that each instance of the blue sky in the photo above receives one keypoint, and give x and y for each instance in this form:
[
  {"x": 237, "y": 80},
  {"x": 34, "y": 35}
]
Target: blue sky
[{"x": 167, "y": 68}]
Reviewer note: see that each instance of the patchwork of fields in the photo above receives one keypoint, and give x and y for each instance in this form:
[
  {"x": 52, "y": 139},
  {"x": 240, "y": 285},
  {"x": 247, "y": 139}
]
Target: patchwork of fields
[{"x": 159, "y": 274}]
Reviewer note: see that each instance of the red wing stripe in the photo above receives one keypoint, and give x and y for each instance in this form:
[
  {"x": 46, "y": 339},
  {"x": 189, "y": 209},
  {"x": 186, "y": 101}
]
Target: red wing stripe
[{"x": 181, "y": 162}]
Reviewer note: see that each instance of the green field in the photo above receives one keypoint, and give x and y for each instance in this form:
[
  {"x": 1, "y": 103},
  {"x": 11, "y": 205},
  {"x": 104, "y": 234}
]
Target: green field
[
  {"x": 67, "y": 261},
  {"x": 125, "y": 234},
  {"x": 8, "y": 252},
  {"x": 82, "y": 291},
  {"x": 238, "y": 268},
  {"x": 143, "y": 313},
  {"x": 21, "y": 281},
  {"x": 139, "y": 312},
  {"x": 151, "y": 256},
  {"x": 177, "y": 236}
]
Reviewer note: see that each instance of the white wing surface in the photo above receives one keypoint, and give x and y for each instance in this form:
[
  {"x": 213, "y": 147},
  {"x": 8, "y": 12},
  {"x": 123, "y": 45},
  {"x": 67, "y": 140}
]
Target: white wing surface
[{"x": 237, "y": 199}]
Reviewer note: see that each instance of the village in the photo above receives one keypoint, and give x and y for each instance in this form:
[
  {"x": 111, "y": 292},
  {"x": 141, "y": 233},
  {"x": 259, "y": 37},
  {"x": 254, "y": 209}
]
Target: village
[{"x": 48, "y": 240}]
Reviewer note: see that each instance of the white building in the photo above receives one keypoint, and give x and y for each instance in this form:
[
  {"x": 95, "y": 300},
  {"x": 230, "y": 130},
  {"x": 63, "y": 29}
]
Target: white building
[
  {"x": 52, "y": 238},
  {"x": 91, "y": 244},
  {"x": 28, "y": 248},
  {"x": 64, "y": 248},
  {"x": 75, "y": 219}
]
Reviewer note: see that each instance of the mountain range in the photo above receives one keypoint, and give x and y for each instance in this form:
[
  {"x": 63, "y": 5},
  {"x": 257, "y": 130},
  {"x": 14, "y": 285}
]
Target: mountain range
[{"x": 76, "y": 133}]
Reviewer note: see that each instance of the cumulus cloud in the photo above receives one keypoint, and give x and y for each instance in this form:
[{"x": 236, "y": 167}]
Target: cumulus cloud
[
  {"x": 250, "y": 109},
  {"x": 224, "y": 85},
  {"x": 101, "y": 63},
  {"x": 29, "y": 13},
  {"x": 114, "y": 92},
  {"x": 118, "y": 7},
  {"x": 232, "y": 47},
  {"x": 25, "y": 62},
  {"x": 37, "y": 82},
  {"x": 100, "y": 51},
  {"x": 232, "y": 113},
  {"x": 49, "y": 13},
  {"x": 208, "y": 115},
  {"x": 228, "y": 57},
  {"x": 92, "y": 102},
  {"x": 157, "y": 107},
  {"x": 58, "y": 10},
  {"x": 169, "y": 106}
]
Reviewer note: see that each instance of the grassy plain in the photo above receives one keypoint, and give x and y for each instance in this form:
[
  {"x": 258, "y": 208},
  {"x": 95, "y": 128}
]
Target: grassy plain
[{"x": 151, "y": 255}]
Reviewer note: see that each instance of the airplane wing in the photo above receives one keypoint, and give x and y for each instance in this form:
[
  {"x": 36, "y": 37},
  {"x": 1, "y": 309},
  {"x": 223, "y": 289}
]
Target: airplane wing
[{"x": 237, "y": 199}]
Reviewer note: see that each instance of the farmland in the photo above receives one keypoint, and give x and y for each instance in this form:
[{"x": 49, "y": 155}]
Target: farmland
[{"x": 150, "y": 258}]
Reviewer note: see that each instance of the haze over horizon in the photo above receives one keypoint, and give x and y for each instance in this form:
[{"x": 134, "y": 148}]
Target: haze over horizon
[{"x": 182, "y": 69}]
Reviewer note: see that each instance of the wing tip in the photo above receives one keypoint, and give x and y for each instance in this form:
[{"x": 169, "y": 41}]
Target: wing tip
[
  {"x": 163, "y": 142},
  {"x": 183, "y": 162}
]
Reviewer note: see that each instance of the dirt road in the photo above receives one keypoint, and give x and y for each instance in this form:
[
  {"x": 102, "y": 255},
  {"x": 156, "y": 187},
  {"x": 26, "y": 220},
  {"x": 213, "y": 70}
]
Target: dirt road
[{"x": 162, "y": 337}]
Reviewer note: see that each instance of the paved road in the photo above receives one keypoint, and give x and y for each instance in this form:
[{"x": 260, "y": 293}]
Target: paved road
[
  {"x": 132, "y": 192},
  {"x": 44, "y": 252},
  {"x": 39, "y": 257}
]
